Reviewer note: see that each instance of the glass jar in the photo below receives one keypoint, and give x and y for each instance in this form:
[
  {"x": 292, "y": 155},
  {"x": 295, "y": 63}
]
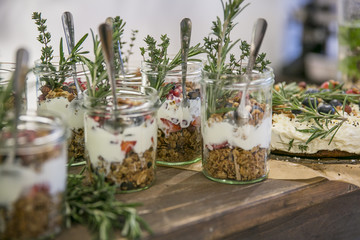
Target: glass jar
[
  {"x": 6, "y": 71},
  {"x": 121, "y": 144},
  {"x": 131, "y": 78},
  {"x": 33, "y": 179},
  {"x": 179, "y": 135},
  {"x": 236, "y": 136},
  {"x": 349, "y": 43},
  {"x": 63, "y": 101}
]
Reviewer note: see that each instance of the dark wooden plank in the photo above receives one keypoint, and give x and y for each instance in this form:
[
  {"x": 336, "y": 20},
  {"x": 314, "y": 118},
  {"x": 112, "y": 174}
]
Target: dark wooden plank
[{"x": 186, "y": 205}]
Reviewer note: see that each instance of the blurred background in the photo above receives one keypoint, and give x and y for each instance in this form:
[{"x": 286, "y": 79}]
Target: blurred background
[{"x": 300, "y": 41}]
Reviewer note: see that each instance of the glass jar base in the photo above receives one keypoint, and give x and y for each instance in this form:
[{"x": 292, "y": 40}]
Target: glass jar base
[
  {"x": 235, "y": 182},
  {"x": 119, "y": 191},
  {"x": 163, "y": 163}
]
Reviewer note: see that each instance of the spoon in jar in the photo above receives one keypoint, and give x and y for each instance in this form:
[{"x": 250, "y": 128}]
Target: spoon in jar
[
  {"x": 110, "y": 21},
  {"x": 241, "y": 114},
  {"x": 68, "y": 26},
  {"x": 185, "y": 33},
  {"x": 22, "y": 58},
  {"x": 106, "y": 39}
]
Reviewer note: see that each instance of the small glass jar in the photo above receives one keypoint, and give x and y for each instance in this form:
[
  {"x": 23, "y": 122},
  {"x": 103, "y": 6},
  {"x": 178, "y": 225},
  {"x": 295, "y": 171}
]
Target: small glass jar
[
  {"x": 6, "y": 71},
  {"x": 131, "y": 78},
  {"x": 179, "y": 135},
  {"x": 236, "y": 136},
  {"x": 63, "y": 101},
  {"x": 33, "y": 179},
  {"x": 121, "y": 144},
  {"x": 349, "y": 44}
]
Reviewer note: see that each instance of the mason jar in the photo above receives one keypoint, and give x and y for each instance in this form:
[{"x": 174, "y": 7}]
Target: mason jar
[
  {"x": 132, "y": 77},
  {"x": 32, "y": 178},
  {"x": 63, "y": 100},
  {"x": 121, "y": 143},
  {"x": 236, "y": 123},
  {"x": 179, "y": 135}
]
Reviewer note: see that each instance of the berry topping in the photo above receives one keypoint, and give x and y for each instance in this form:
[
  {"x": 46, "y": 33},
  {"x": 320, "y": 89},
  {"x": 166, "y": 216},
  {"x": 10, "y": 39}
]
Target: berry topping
[
  {"x": 326, "y": 108},
  {"x": 170, "y": 126},
  {"x": 347, "y": 109},
  {"x": 310, "y": 102},
  {"x": 335, "y": 103},
  {"x": 127, "y": 146},
  {"x": 312, "y": 90}
]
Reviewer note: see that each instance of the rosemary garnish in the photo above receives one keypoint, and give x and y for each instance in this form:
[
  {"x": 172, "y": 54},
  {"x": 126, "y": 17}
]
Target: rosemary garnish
[
  {"x": 218, "y": 46},
  {"x": 6, "y": 103},
  {"x": 54, "y": 76},
  {"x": 160, "y": 63},
  {"x": 289, "y": 97},
  {"x": 95, "y": 205}
]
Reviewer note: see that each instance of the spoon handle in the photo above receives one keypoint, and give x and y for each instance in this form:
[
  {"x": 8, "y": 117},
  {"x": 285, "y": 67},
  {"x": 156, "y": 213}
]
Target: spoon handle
[
  {"x": 105, "y": 31},
  {"x": 21, "y": 69},
  {"x": 185, "y": 32},
  {"x": 257, "y": 38},
  {"x": 68, "y": 26}
]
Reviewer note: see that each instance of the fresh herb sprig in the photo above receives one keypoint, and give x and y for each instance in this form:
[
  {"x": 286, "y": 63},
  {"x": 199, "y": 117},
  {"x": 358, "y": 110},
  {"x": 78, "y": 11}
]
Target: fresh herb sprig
[
  {"x": 160, "y": 63},
  {"x": 52, "y": 75},
  {"x": 95, "y": 205},
  {"x": 6, "y": 103},
  {"x": 289, "y": 97},
  {"x": 218, "y": 46}
]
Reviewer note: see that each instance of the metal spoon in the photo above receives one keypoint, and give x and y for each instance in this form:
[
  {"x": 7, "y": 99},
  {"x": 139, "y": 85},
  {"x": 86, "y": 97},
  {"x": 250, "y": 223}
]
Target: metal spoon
[
  {"x": 110, "y": 21},
  {"x": 68, "y": 26},
  {"x": 185, "y": 33},
  {"x": 105, "y": 30},
  {"x": 241, "y": 114},
  {"x": 22, "y": 58}
]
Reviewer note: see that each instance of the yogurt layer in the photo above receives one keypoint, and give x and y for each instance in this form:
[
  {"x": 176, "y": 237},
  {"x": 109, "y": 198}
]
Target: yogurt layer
[
  {"x": 177, "y": 114},
  {"x": 20, "y": 179},
  {"x": 71, "y": 112},
  {"x": 245, "y": 137},
  {"x": 102, "y": 143},
  {"x": 284, "y": 130}
]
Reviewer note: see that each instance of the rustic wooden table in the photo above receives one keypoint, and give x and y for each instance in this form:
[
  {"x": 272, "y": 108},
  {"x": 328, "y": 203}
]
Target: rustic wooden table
[{"x": 183, "y": 204}]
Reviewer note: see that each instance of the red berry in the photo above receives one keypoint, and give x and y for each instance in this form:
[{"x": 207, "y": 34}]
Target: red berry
[
  {"x": 177, "y": 93},
  {"x": 347, "y": 109},
  {"x": 126, "y": 146},
  {"x": 302, "y": 84},
  {"x": 325, "y": 85}
]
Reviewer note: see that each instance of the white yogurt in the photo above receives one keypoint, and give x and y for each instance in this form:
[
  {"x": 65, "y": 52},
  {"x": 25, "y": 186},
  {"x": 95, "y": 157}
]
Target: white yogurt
[
  {"x": 177, "y": 114},
  {"x": 20, "y": 179},
  {"x": 71, "y": 112},
  {"x": 245, "y": 137},
  {"x": 100, "y": 142},
  {"x": 284, "y": 130}
]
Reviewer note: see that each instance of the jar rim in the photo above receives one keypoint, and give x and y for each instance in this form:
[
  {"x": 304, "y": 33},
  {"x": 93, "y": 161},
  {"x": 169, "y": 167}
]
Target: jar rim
[
  {"x": 256, "y": 78},
  {"x": 146, "y": 96},
  {"x": 195, "y": 68},
  {"x": 44, "y": 121}
]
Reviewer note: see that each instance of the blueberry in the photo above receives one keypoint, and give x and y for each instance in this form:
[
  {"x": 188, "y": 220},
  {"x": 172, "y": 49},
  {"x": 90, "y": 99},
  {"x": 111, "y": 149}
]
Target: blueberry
[
  {"x": 296, "y": 111},
  {"x": 194, "y": 94},
  {"x": 257, "y": 107},
  {"x": 325, "y": 90},
  {"x": 335, "y": 103},
  {"x": 137, "y": 121},
  {"x": 310, "y": 101},
  {"x": 312, "y": 90},
  {"x": 326, "y": 108}
]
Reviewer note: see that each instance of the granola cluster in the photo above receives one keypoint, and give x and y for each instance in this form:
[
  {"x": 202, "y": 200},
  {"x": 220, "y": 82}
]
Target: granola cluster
[
  {"x": 236, "y": 163},
  {"x": 134, "y": 173},
  {"x": 181, "y": 146}
]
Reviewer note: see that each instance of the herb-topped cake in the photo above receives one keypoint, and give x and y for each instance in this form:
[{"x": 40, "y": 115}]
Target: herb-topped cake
[{"x": 315, "y": 122}]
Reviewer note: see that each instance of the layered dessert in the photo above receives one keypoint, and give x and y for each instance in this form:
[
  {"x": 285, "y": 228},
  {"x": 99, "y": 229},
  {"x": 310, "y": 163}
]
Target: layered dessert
[
  {"x": 179, "y": 136},
  {"x": 330, "y": 129},
  {"x": 64, "y": 102},
  {"x": 32, "y": 184},
  {"x": 237, "y": 151},
  {"x": 122, "y": 147}
]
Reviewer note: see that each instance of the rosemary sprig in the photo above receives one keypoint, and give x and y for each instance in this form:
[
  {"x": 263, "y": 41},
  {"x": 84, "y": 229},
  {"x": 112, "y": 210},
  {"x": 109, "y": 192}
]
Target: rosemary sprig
[
  {"x": 6, "y": 103},
  {"x": 54, "y": 77},
  {"x": 289, "y": 97},
  {"x": 160, "y": 62},
  {"x": 218, "y": 46},
  {"x": 95, "y": 205}
]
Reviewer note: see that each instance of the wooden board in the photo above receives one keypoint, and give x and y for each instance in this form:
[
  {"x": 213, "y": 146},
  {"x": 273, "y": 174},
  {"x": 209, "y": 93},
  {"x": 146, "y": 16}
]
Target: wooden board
[{"x": 186, "y": 205}]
